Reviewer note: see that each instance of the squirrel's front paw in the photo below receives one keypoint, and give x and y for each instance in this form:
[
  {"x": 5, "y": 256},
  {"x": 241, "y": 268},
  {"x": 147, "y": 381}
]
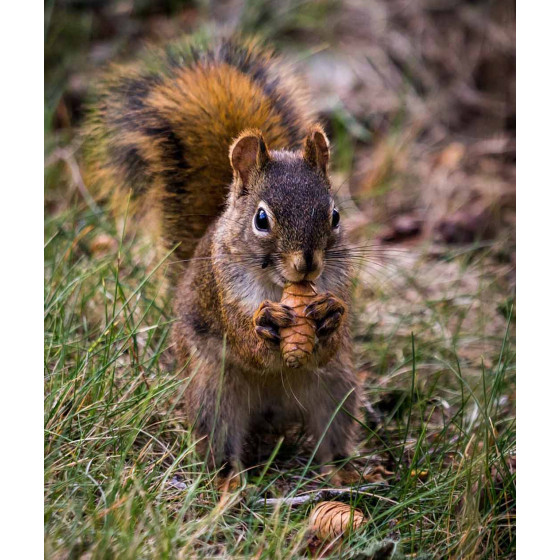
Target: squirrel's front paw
[
  {"x": 328, "y": 312},
  {"x": 269, "y": 318}
]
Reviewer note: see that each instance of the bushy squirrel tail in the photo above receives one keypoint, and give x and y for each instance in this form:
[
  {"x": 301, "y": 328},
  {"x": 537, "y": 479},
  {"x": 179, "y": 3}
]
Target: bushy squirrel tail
[{"x": 159, "y": 131}]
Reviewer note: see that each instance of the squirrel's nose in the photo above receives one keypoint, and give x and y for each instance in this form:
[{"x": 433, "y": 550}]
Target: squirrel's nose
[{"x": 307, "y": 264}]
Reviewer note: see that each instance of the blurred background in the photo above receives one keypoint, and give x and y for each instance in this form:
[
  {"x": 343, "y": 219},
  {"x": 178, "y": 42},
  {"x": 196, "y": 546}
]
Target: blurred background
[{"x": 418, "y": 95}]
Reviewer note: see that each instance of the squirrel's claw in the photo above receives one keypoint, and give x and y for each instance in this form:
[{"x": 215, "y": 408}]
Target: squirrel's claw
[
  {"x": 272, "y": 314},
  {"x": 269, "y": 318},
  {"x": 327, "y": 311},
  {"x": 268, "y": 334},
  {"x": 330, "y": 324}
]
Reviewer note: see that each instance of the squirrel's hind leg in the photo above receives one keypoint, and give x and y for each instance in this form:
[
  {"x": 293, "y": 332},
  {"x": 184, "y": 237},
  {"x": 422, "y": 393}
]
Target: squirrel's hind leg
[
  {"x": 215, "y": 397},
  {"x": 218, "y": 412},
  {"x": 334, "y": 428}
]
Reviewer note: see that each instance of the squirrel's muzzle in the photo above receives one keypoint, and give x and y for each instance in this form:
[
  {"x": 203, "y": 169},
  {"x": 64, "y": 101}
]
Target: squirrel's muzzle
[{"x": 303, "y": 265}]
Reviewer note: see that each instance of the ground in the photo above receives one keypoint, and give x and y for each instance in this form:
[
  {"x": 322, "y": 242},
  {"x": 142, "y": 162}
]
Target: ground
[{"x": 424, "y": 169}]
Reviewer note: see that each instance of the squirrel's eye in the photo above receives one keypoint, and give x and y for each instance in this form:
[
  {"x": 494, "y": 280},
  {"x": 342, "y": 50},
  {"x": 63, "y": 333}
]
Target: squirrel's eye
[
  {"x": 335, "y": 218},
  {"x": 261, "y": 220}
]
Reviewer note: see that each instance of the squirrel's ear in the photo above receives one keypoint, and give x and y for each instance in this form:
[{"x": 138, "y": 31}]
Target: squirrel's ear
[
  {"x": 248, "y": 153},
  {"x": 316, "y": 149}
]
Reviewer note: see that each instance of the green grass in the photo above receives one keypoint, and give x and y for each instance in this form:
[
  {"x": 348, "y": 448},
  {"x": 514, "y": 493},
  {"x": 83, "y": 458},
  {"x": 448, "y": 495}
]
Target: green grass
[{"x": 434, "y": 340}]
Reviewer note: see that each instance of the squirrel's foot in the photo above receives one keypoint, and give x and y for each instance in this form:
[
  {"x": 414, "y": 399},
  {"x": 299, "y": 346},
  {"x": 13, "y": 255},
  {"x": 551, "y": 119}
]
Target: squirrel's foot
[
  {"x": 350, "y": 475},
  {"x": 327, "y": 311},
  {"x": 230, "y": 478},
  {"x": 330, "y": 474},
  {"x": 269, "y": 318},
  {"x": 229, "y": 483},
  {"x": 347, "y": 475}
]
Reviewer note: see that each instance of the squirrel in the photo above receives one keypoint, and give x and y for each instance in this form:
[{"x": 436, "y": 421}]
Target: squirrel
[{"x": 219, "y": 141}]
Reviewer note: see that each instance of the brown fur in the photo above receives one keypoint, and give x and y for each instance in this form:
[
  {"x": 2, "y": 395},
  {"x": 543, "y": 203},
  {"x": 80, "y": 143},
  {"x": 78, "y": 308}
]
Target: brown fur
[{"x": 165, "y": 136}]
